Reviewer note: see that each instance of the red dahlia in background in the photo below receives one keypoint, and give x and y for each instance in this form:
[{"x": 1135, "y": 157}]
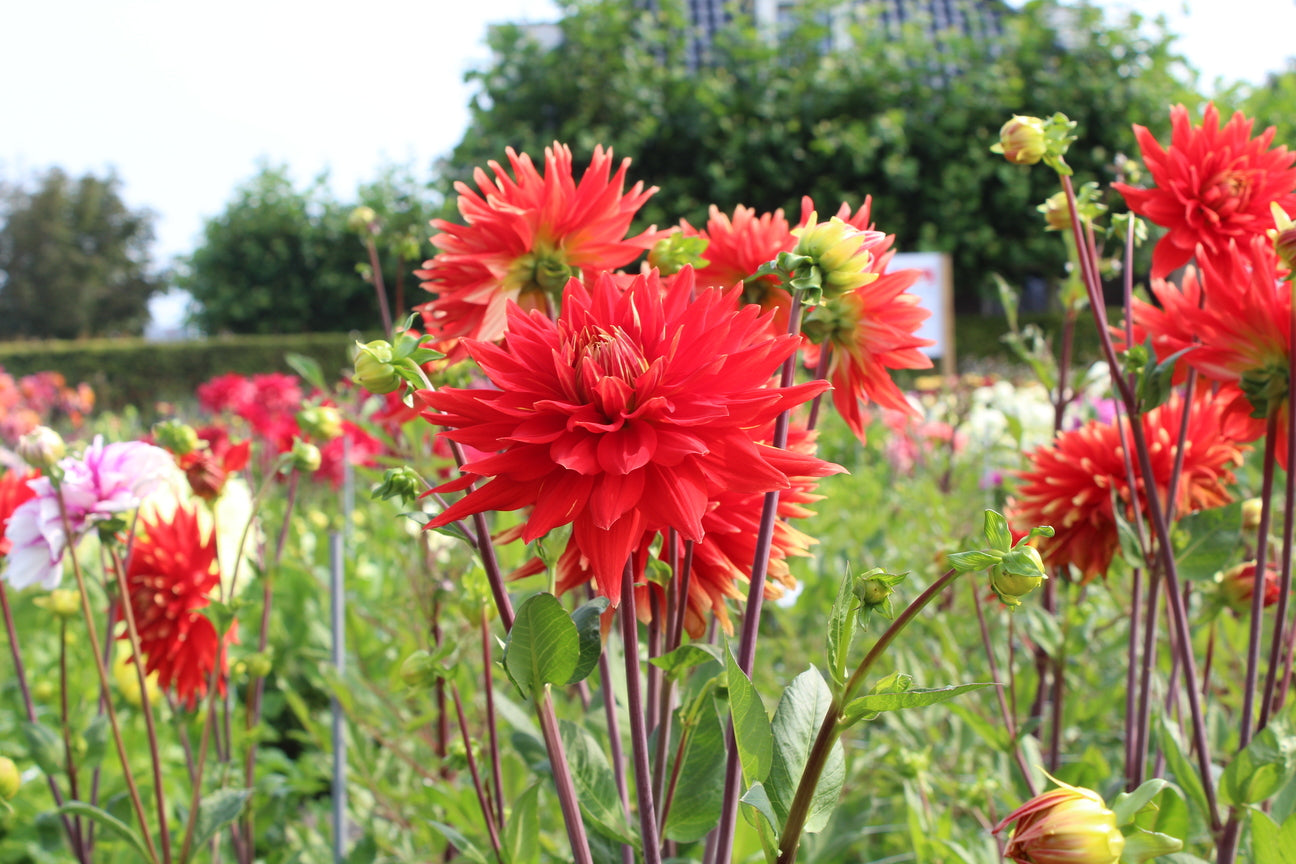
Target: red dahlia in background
[
  {"x": 1213, "y": 185},
  {"x": 1070, "y": 482},
  {"x": 629, "y": 414},
  {"x": 524, "y": 236},
  {"x": 170, "y": 576}
]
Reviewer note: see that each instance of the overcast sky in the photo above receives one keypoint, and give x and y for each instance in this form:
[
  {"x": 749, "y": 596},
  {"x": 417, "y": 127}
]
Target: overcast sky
[{"x": 184, "y": 99}]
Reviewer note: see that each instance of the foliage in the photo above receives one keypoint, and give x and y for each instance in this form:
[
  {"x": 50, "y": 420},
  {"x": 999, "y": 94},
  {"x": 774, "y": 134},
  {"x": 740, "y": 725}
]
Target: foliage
[
  {"x": 760, "y": 122},
  {"x": 283, "y": 260},
  {"x": 74, "y": 259}
]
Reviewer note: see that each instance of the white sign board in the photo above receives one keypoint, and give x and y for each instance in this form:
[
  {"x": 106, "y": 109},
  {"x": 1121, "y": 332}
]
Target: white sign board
[{"x": 934, "y": 289}]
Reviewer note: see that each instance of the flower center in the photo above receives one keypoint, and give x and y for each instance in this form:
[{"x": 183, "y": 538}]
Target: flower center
[
  {"x": 540, "y": 270},
  {"x": 1226, "y": 189},
  {"x": 608, "y": 364}
]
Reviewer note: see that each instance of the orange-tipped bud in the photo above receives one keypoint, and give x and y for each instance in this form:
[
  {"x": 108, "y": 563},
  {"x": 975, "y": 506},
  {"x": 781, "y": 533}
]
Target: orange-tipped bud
[
  {"x": 1022, "y": 141},
  {"x": 1070, "y": 825}
]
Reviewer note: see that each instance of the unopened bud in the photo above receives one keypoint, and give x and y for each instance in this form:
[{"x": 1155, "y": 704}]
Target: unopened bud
[
  {"x": 674, "y": 253},
  {"x": 374, "y": 369},
  {"x": 41, "y": 448},
  {"x": 63, "y": 603},
  {"x": 363, "y": 220},
  {"x": 1057, "y": 213},
  {"x": 1021, "y": 140},
  {"x": 258, "y": 665},
  {"x": 403, "y": 483},
  {"x": 1237, "y": 586},
  {"x": 179, "y": 438},
  {"x": 1251, "y": 510},
  {"x": 1071, "y": 825},
  {"x": 1283, "y": 237},
  {"x": 321, "y": 422},
  {"x": 305, "y": 457},
  {"x": 10, "y": 779},
  {"x": 420, "y": 669},
  {"x": 1018, "y": 573},
  {"x": 840, "y": 251}
]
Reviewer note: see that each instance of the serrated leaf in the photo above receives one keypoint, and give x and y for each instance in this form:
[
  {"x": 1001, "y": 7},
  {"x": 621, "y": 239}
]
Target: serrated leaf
[
  {"x": 595, "y": 783},
  {"x": 685, "y": 657},
  {"x": 217, "y": 810},
  {"x": 751, "y": 724},
  {"x": 874, "y": 703},
  {"x": 1261, "y": 768},
  {"x": 996, "y": 531},
  {"x": 1213, "y": 541},
  {"x": 841, "y": 631},
  {"x": 800, "y": 713},
  {"x": 543, "y": 646},
  {"x": 976, "y": 559},
  {"x": 699, "y": 797},
  {"x": 1271, "y": 844},
  {"x": 523, "y": 827},
  {"x": 109, "y": 821},
  {"x": 587, "y": 621}
]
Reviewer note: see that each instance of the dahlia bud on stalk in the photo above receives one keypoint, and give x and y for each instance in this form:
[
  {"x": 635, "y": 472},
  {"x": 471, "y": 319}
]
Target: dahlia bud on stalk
[
  {"x": 1021, "y": 140},
  {"x": 1070, "y": 825},
  {"x": 1252, "y": 508},
  {"x": 1237, "y": 586},
  {"x": 363, "y": 220},
  {"x": 1283, "y": 237},
  {"x": 374, "y": 370},
  {"x": 306, "y": 457},
  {"x": 41, "y": 448},
  {"x": 63, "y": 603},
  {"x": 179, "y": 438},
  {"x": 321, "y": 422},
  {"x": 1016, "y": 569},
  {"x": 403, "y": 483},
  {"x": 10, "y": 779}
]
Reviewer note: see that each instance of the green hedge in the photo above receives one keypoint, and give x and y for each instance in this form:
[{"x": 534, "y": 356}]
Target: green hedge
[{"x": 135, "y": 372}]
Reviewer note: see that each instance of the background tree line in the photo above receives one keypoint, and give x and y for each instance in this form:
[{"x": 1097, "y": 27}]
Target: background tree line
[{"x": 835, "y": 106}]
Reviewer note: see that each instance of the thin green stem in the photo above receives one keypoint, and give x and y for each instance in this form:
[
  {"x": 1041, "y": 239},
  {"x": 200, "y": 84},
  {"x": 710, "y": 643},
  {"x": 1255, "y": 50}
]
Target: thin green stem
[{"x": 638, "y": 726}]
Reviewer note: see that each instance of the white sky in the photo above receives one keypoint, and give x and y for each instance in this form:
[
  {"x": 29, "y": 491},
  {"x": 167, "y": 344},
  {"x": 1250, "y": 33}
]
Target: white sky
[{"x": 184, "y": 99}]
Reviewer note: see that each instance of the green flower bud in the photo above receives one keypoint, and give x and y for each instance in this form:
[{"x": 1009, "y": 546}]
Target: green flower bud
[
  {"x": 63, "y": 603},
  {"x": 374, "y": 369},
  {"x": 420, "y": 669},
  {"x": 677, "y": 251},
  {"x": 41, "y": 448},
  {"x": 305, "y": 457},
  {"x": 1070, "y": 825},
  {"x": 179, "y": 438},
  {"x": 1021, "y": 140},
  {"x": 10, "y": 779},
  {"x": 403, "y": 483},
  {"x": 321, "y": 422},
  {"x": 258, "y": 664},
  {"x": 872, "y": 592},
  {"x": 363, "y": 220},
  {"x": 1018, "y": 573}
]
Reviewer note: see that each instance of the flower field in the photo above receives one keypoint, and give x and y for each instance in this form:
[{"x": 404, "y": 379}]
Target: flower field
[{"x": 668, "y": 546}]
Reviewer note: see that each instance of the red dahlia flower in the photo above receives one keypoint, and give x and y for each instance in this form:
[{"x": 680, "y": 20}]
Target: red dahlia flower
[
  {"x": 1070, "y": 482},
  {"x": 170, "y": 576},
  {"x": 14, "y": 490},
  {"x": 1213, "y": 185},
  {"x": 629, "y": 414},
  {"x": 736, "y": 249},
  {"x": 523, "y": 238}
]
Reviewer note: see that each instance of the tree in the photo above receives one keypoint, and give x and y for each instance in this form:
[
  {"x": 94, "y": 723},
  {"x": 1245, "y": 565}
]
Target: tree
[
  {"x": 762, "y": 121},
  {"x": 74, "y": 260},
  {"x": 283, "y": 260}
]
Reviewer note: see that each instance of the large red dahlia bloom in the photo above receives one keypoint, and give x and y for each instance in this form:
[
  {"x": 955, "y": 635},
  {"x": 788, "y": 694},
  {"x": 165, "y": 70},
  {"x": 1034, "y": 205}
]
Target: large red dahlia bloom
[
  {"x": 523, "y": 238},
  {"x": 1070, "y": 481},
  {"x": 170, "y": 576},
  {"x": 1213, "y": 185},
  {"x": 629, "y": 414},
  {"x": 14, "y": 490}
]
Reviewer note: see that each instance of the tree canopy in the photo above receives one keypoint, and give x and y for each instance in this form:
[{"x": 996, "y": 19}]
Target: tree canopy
[
  {"x": 281, "y": 259},
  {"x": 762, "y": 121},
  {"x": 74, "y": 259}
]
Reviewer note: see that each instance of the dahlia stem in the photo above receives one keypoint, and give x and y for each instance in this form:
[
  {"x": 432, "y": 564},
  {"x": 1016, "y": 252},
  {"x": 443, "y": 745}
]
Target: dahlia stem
[
  {"x": 638, "y": 728},
  {"x": 1131, "y": 682},
  {"x": 492, "y": 728},
  {"x": 483, "y": 801},
  {"x": 129, "y": 777},
  {"x": 1009, "y": 721},
  {"x": 1258, "y": 593},
  {"x": 821, "y": 372},
  {"x": 831, "y": 728},
  {"x": 755, "y": 599},
  {"x": 375, "y": 267},
  {"x": 1147, "y": 660},
  {"x": 1179, "y": 614},
  {"x": 567, "y": 798},
  {"x": 137, "y": 660},
  {"x": 614, "y": 740},
  {"x": 74, "y": 838}
]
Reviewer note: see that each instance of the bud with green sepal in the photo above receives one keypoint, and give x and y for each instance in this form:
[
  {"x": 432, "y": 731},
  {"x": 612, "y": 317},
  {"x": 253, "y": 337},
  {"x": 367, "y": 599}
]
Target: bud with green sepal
[
  {"x": 10, "y": 779},
  {"x": 873, "y": 590},
  {"x": 1015, "y": 569},
  {"x": 1025, "y": 140},
  {"x": 179, "y": 438},
  {"x": 320, "y": 422},
  {"x": 672, "y": 254},
  {"x": 305, "y": 457},
  {"x": 363, "y": 220},
  {"x": 41, "y": 448},
  {"x": 404, "y": 483}
]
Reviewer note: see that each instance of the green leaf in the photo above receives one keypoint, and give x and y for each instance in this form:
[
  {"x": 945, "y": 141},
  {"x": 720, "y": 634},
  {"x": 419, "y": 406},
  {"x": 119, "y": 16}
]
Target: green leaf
[
  {"x": 45, "y": 747},
  {"x": 685, "y": 657},
  {"x": 1128, "y": 804},
  {"x": 308, "y": 368},
  {"x": 460, "y": 842},
  {"x": 996, "y": 531},
  {"x": 595, "y": 783},
  {"x": 699, "y": 797},
  {"x": 1271, "y": 844},
  {"x": 217, "y": 810},
  {"x": 587, "y": 621},
  {"x": 96, "y": 738},
  {"x": 523, "y": 827},
  {"x": 1183, "y": 773},
  {"x": 1261, "y": 768},
  {"x": 1131, "y": 548},
  {"x": 543, "y": 646},
  {"x": 751, "y": 723},
  {"x": 977, "y": 559},
  {"x": 109, "y": 821},
  {"x": 758, "y": 800},
  {"x": 800, "y": 714},
  {"x": 841, "y": 631},
  {"x": 868, "y": 707},
  {"x": 1210, "y": 541},
  {"x": 1144, "y": 845}
]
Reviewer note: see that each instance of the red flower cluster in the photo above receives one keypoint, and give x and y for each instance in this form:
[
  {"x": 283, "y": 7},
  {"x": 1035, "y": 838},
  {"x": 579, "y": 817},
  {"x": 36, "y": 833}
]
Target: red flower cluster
[
  {"x": 1213, "y": 186},
  {"x": 36, "y": 399},
  {"x": 169, "y": 578},
  {"x": 629, "y": 415},
  {"x": 14, "y": 490},
  {"x": 1071, "y": 482}
]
